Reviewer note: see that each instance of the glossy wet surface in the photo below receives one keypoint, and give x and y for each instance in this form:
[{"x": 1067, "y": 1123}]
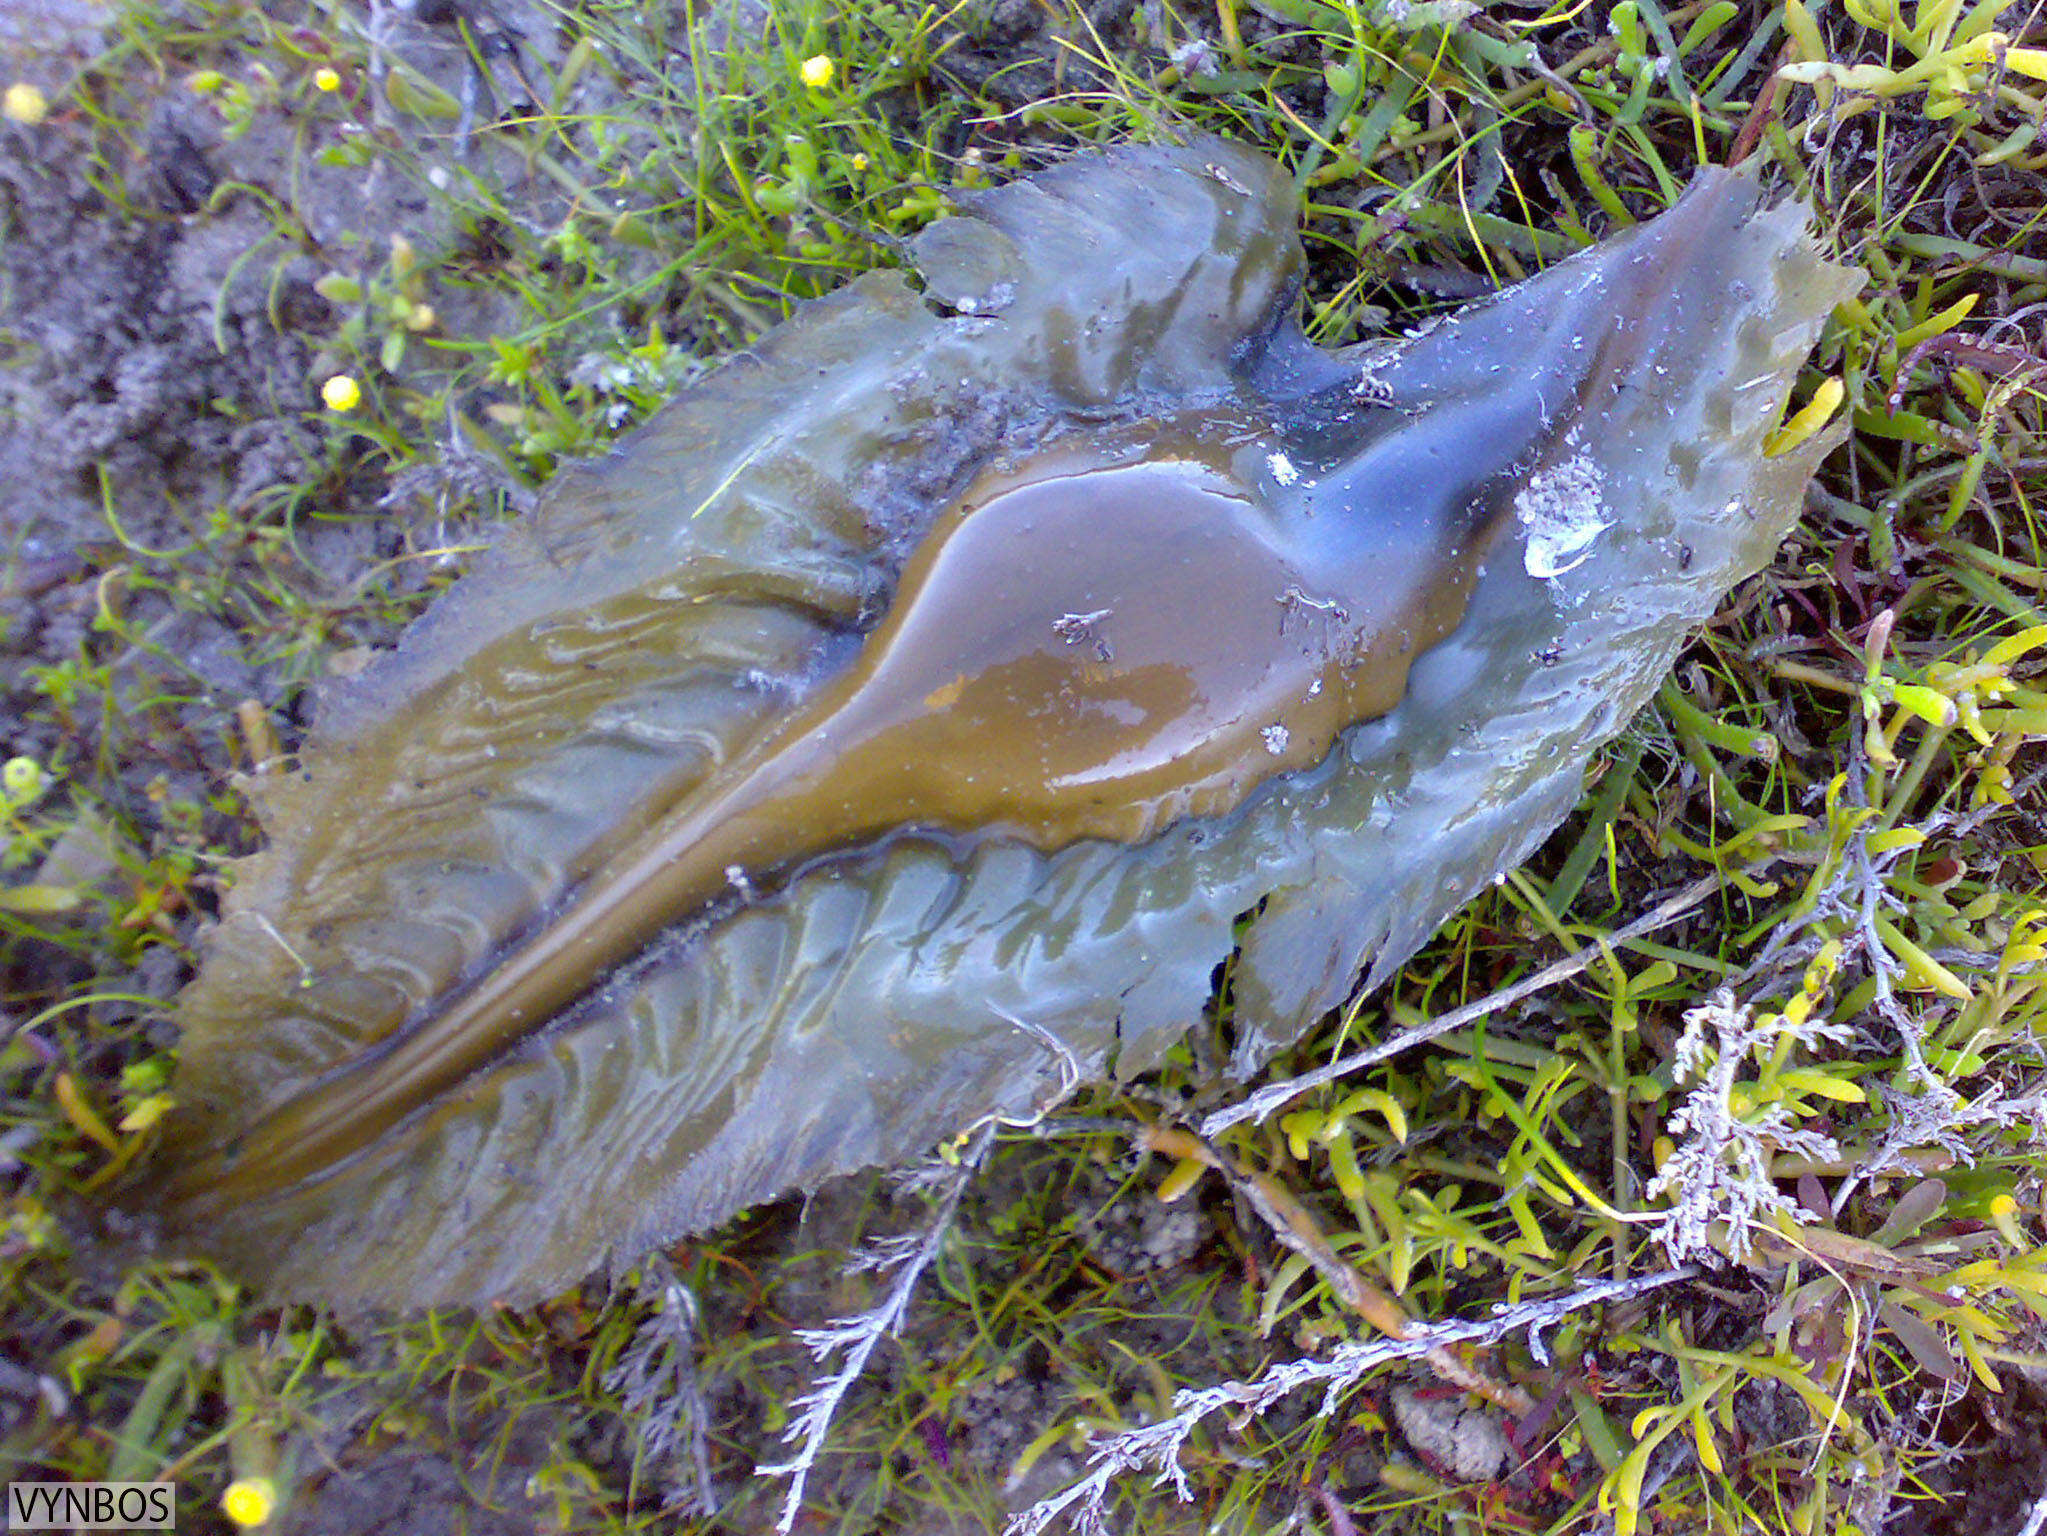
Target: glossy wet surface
[
  {"x": 906, "y": 717},
  {"x": 1093, "y": 644}
]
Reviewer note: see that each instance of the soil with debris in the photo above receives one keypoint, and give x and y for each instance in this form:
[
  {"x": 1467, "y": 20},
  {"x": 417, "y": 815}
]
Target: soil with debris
[{"x": 158, "y": 387}]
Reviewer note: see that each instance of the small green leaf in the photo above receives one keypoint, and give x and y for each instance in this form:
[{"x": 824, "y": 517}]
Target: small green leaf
[
  {"x": 339, "y": 288},
  {"x": 1920, "y": 1341},
  {"x": 1598, "y": 1430},
  {"x": 1935, "y": 708},
  {"x": 39, "y": 900},
  {"x": 1915, "y": 1208},
  {"x": 1823, "y": 1084}
]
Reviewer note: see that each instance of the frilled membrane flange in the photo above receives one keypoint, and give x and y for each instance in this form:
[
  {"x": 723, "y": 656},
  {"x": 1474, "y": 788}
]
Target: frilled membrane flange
[{"x": 1567, "y": 477}]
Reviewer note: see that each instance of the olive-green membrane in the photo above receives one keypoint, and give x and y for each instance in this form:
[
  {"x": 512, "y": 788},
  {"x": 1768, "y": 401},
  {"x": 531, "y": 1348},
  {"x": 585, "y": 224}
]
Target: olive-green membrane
[{"x": 1582, "y": 454}]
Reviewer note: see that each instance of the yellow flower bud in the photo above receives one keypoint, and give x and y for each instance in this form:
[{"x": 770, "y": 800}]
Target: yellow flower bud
[
  {"x": 26, "y": 104},
  {"x": 341, "y": 393},
  {"x": 21, "y": 780},
  {"x": 326, "y": 79},
  {"x": 817, "y": 71},
  {"x": 2003, "y": 1213},
  {"x": 250, "y": 1501}
]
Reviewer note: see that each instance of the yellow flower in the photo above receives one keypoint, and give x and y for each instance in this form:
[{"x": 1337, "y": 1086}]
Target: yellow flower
[
  {"x": 817, "y": 71},
  {"x": 327, "y": 79},
  {"x": 250, "y": 1501},
  {"x": 147, "y": 1112},
  {"x": 341, "y": 393},
  {"x": 26, "y": 104},
  {"x": 21, "y": 780},
  {"x": 2004, "y": 1212}
]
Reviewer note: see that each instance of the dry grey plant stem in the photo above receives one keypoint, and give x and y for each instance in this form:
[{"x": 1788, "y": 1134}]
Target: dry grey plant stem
[
  {"x": 1929, "y": 1112},
  {"x": 1268, "y": 1100},
  {"x": 1925, "y": 1111},
  {"x": 904, "y": 1258},
  {"x": 1721, "y": 1170},
  {"x": 1156, "y": 1447},
  {"x": 656, "y": 1379}
]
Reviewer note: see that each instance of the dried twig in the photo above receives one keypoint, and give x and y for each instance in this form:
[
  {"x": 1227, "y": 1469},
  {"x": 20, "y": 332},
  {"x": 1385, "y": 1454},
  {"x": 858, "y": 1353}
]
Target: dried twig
[
  {"x": 657, "y": 1380},
  {"x": 1721, "y": 1170},
  {"x": 1296, "y": 1228},
  {"x": 1277, "y": 1095},
  {"x": 1156, "y": 1447},
  {"x": 2001, "y": 360},
  {"x": 1847, "y": 908},
  {"x": 904, "y": 1258}
]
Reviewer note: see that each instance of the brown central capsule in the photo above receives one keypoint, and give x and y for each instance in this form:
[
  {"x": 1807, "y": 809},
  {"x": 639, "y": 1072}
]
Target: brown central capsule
[{"x": 1090, "y": 645}]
